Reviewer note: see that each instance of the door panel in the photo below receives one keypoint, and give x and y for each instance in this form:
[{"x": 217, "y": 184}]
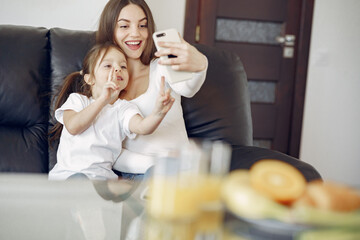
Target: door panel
[
  {"x": 260, "y": 62},
  {"x": 266, "y": 114},
  {"x": 257, "y": 31},
  {"x": 247, "y": 31},
  {"x": 262, "y": 91},
  {"x": 268, "y": 10}
]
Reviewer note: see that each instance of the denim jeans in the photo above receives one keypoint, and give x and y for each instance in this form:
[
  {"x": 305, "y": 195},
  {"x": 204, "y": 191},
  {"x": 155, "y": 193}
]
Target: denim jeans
[
  {"x": 132, "y": 176},
  {"x": 138, "y": 176}
]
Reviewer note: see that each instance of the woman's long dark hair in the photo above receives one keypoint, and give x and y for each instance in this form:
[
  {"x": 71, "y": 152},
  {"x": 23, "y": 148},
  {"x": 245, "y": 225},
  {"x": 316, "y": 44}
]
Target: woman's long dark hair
[
  {"x": 108, "y": 24},
  {"x": 75, "y": 82}
]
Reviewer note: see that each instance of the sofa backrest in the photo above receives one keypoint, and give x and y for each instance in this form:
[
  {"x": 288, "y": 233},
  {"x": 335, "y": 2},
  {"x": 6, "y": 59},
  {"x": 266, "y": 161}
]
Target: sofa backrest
[
  {"x": 34, "y": 62},
  {"x": 68, "y": 49},
  {"x": 24, "y": 98}
]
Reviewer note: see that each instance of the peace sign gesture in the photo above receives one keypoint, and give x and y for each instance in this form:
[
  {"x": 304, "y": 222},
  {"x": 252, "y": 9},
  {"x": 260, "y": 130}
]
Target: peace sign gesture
[
  {"x": 110, "y": 90},
  {"x": 164, "y": 101}
]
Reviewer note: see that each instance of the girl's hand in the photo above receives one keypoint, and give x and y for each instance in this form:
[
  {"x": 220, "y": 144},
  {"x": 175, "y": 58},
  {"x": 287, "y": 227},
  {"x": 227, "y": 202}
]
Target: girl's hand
[
  {"x": 148, "y": 125},
  {"x": 164, "y": 101},
  {"x": 188, "y": 57},
  {"x": 110, "y": 91}
]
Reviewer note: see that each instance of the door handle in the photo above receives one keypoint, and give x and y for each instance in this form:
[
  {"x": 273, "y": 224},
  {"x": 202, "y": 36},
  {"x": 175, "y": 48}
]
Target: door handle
[
  {"x": 288, "y": 43},
  {"x": 287, "y": 40}
]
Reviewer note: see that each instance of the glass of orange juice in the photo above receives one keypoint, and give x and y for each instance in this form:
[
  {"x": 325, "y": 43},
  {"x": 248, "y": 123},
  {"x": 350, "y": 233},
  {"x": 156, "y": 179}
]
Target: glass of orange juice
[
  {"x": 215, "y": 163},
  {"x": 173, "y": 200}
]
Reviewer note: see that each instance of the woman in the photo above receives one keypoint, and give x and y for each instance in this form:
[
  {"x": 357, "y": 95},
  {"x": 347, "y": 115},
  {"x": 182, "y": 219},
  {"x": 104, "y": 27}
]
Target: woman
[{"x": 129, "y": 24}]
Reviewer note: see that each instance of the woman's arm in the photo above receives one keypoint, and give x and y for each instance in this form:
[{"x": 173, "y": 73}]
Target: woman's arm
[
  {"x": 148, "y": 124},
  {"x": 128, "y": 161},
  {"x": 188, "y": 59},
  {"x": 189, "y": 87}
]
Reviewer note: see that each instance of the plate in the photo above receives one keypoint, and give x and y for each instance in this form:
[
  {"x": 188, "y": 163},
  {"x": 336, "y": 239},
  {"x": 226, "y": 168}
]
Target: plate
[
  {"x": 265, "y": 228},
  {"x": 277, "y": 226}
]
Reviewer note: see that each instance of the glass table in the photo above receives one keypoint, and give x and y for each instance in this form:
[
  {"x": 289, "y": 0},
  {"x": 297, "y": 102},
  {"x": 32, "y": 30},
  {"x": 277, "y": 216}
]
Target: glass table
[{"x": 32, "y": 207}]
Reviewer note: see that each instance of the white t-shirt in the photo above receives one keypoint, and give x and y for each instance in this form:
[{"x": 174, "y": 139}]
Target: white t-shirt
[
  {"x": 94, "y": 151},
  {"x": 138, "y": 154}
]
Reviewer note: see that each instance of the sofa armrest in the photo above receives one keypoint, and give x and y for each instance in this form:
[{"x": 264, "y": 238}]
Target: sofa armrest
[
  {"x": 243, "y": 157},
  {"x": 221, "y": 108}
]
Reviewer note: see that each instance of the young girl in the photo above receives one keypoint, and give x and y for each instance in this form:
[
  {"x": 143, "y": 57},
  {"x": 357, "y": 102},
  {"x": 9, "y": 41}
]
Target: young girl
[{"x": 96, "y": 120}]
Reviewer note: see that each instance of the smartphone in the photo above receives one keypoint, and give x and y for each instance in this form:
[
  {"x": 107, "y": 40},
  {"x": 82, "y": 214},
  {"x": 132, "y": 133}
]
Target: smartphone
[{"x": 171, "y": 75}]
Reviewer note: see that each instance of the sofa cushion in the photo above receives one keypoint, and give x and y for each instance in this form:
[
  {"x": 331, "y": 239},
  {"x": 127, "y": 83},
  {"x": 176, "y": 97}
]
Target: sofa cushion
[
  {"x": 24, "y": 99},
  {"x": 68, "y": 49}
]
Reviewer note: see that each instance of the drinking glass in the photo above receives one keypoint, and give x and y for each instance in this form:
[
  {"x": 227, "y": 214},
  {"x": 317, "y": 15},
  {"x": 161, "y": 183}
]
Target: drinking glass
[
  {"x": 215, "y": 163},
  {"x": 184, "y": 192},
  {"x": 173, "y": 200}
]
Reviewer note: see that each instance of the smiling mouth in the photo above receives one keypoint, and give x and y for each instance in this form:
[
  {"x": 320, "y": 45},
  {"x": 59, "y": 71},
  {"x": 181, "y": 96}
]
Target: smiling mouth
[
  {"x": 134, "y": 45},
  {"x": 119, "y": 78}
]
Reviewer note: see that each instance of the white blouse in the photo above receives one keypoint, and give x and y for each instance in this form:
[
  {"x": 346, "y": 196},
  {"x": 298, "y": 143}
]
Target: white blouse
[{"x": 138, "y": 153}]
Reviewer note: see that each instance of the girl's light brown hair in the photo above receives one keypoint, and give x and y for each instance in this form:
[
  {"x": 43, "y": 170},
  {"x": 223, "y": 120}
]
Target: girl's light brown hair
[
  {"x": 108, "y": 24},
  {"x": 75, "y": 83}
]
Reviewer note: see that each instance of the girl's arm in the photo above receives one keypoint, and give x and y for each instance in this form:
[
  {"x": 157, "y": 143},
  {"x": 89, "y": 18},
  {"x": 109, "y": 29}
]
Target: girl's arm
[
  {"x": 77, "y": 122},
  {"x": 148, "y": 124}
]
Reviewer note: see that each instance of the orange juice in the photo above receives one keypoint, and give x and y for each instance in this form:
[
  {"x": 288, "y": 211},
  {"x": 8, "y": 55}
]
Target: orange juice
[
  {"x": 157, "y": 229},
  {"x": 210, "y": 187},
  {"x": 211, "y": 208},
  {"x": 173, "y": 197}
]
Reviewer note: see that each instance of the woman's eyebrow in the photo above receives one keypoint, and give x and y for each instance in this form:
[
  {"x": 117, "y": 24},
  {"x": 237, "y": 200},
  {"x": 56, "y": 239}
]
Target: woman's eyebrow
[{"x": 126, "y": 20}]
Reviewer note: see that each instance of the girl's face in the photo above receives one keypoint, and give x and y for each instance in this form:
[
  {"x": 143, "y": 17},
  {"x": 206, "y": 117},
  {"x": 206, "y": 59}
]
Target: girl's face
[
  {"x": 112, "y": 59},
  {"x": 131, "y": 32}
]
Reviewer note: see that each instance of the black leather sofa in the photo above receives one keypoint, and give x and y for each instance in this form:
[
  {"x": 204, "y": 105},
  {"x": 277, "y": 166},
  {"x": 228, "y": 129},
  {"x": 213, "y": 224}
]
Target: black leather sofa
[{"x": 34, "y": 62}]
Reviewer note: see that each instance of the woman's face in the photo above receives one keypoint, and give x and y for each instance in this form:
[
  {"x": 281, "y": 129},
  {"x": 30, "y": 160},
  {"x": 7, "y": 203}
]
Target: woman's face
[{"x": 131, "y": 32}]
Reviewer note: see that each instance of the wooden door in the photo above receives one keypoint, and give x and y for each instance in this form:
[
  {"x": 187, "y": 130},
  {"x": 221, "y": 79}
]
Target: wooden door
[{"x": 272, "y": 39}]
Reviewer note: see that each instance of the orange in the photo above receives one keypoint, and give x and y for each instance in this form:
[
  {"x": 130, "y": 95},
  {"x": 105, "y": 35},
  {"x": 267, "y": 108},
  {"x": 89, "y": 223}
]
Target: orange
[{"x": 277, "y": 180}]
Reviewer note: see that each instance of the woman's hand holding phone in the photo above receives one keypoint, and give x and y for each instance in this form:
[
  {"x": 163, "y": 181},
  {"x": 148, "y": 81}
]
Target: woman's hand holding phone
[
  {"x": 188, "y": 57},
  {"x": 179, "y": 57}
]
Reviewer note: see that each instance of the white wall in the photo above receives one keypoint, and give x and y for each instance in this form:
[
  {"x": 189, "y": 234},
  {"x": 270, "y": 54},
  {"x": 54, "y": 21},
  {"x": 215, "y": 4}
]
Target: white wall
[
  {"x": 331, "y": 127},
  {"x": 82, "y": 14},
  {"x": 168, "y": 14},
  {"x": 78, "y": 14},
  {"x": 331, "y": 130}
]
